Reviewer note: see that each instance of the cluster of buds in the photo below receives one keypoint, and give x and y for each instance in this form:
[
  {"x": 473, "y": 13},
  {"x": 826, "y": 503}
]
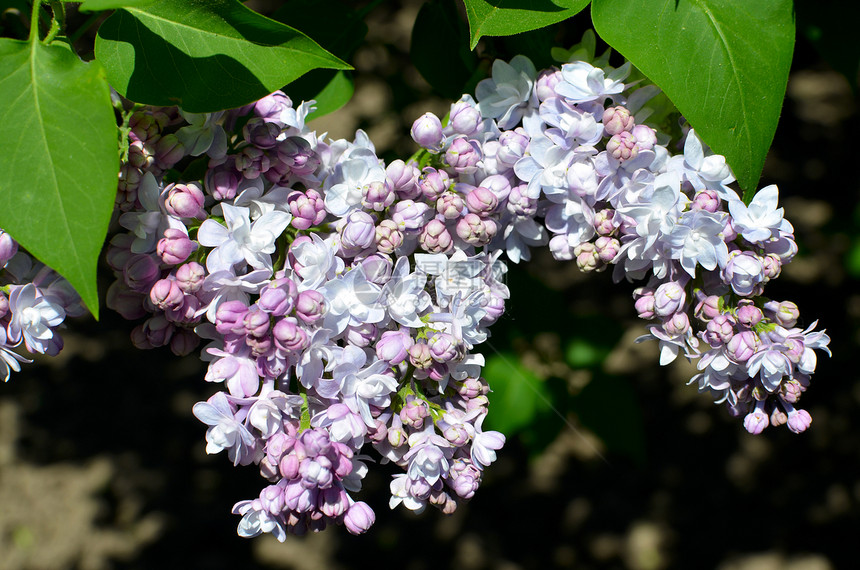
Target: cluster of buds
[{"x": 342, "y": 298}]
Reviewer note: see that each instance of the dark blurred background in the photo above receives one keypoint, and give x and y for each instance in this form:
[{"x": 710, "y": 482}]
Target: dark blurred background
[{"x": 102, "y": 464}]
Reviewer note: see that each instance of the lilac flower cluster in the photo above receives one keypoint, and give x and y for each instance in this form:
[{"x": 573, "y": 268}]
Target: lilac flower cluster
[
  {"x": 34, "y": 302},
  {"x": 342, "y": 298}
]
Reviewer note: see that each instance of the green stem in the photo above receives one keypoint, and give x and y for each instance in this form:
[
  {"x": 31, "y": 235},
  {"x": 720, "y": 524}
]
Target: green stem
[{"x": 34, "y": 22}]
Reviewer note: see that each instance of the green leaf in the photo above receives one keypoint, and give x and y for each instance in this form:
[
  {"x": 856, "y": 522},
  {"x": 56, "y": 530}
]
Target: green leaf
[
  {"x": 99, "y": 5},
  {"x": 724, "y": 63},
  {"x": 334, "y": 95},
  {"x": 517, "y": 395},
  {"x": 58, "y": 158},
  {"x": 203, "y": 56},
  {"x": 509, "y": 17},
  {"x": 439, "y": 35}
]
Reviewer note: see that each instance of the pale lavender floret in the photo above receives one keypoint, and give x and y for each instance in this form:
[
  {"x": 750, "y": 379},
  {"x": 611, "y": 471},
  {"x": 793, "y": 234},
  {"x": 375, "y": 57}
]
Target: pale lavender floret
[
  {"x": 359, "y": 518},
  {"x": 545, "y": 167},
  {"x": 669, "y": 298},
  {"x": 34, "y": 317},
  {"x": 785, "y": 313},
  {"x": 505, "y": 95},
  {"x": 677, "y": 324},
  {"x": 223, "y": 286},
  {"x": 241, "y": 239},
  {"x": 571, "y": 127},
  {"x": 742, "y": 346},
  {"x": 697, "y": 239},
  {"x": 378, "y": 196},
  {"x": 148, "y": 225},
  {"x": 344, "y": 188},
  {"x": 512, "y": 147},
  {"x": 433, "y": 183},
  {"x": 761, "y": 220},
  {"x": 203, "y": 134},
  {"x": 582, "y": 82},
  {"x": 225, "y": 431},
  {"x": 403, "y": 179},
  {"x": 256, "y": 520},
  {"x": 546, "y": 82},
  {"x": 310, "y": 306},
  {"x": 744, "y": 272},
  {"x": 485, "y": 444},
  {"x": 9, "y": 360},
  {"x": 314, "y": 261},
  {"x": 351, "y": 299},
  {"x": 278, "y": 297},
  {"x": 377, "y": 267},
  {"x": 701, "y": 168}
]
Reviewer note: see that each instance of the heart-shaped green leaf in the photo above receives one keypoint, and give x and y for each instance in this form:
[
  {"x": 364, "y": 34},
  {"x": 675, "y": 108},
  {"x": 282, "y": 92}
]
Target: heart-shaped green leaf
[
  {"x": 58, "y": 158},
  {"x": 99, "y": 5},
  {"x": 203, "y": 56},
  {"x": 723, "y": 63},
  {"x": 509, "y": 17}
]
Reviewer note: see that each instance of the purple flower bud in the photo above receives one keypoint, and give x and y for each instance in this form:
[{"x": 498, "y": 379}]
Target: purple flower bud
[
  {"x": 361, "y": 335},
  {"x": 785, "y": 313},
  {"x": 427, "y": 132},
  {"x": 607, "y": 248},
  {"x": 778, "y": 417},
  {"x": 308, "y": 208},
  {"x": 546, "y": 82},
  {"x": 605, "y": 222},
  {"x": 434, "y": 238},
  {"x": 622, "y": 146},
  {"x": 520, "y": 204},
  {"x": 260, "y": 133},
  {"x": 741, "y": 346},
  {"x": 157, "y": 331},
  {"x": 512, "y": 147},
  {"x": 748, "y": 314},
  {"x": 289, "y": 336},
  {"x": 297, "y": 155},
  {"x": 129, "y": 182},
  {"x": 4, "y": 305},
  {"x": 444, "y": 348},
  {"x": 255, "y": 321},
  {"x": 289, "y": 466},
  {"x": 359, "y": 518},
  {"x": 393, "y": 347},
  {"x": 190, "y": 277},
  {"x": 377, "y": 268},
  {"x": 756, "y": 421},
  {"x": 388, "y": 237},
  {"x": 645, "y": 137},
  {"x": 414, "y": 412},
  {"x": 772, "y": 266},
  {"x": 141, "y": 272},
  {"x": 359, "y": 232},
  {"x": 403, "y": 179},
  {"x": 560, "y": 248},
  {"x": 499, "y": 185},
  {"x": 272, "y": 106},
  {"x": 185, "y": 312},
  {"x": 791, "y": 391},
  {"x": 706, "y": 200},
  {"x": 184, "y": 201},
  {"x": 587, "y": 258},
  {"x": 8, "y": 248},
  {"x": 222, "y": 180},
  {"x": 799, "y": 420},
  {"x": 184, "y": 342},
  {"x": 481, "y": 201},
  {"x": 616, "y": 120},
  {"x": 144, "y": 125},
  {"x": 677, "y": 325},
  {"x": 708, "y": 308},
  {"x": 475, "y": 230},
  {"x": 174, "y": 247},
  {"x": 720, "y": 330},
  {"x": 230, "y": 317},
  {"x": 166, "y": 294},
  {"x": 252, "y": 162},
  {"x": 272, "y": 499},
  {"x": 310, "y": 306},
  {"x": 464, "y": 118},
  {"x": 333, "y": 502},
  {"x": 645, "y": 306},
  {"x": 433, "y": 183},
  {"x": 463, "y": 155},
  {"x": 669, "y": 298},
  {"x": 278, "y": 297},
  {"x": 420, "y": 356},
  {"x": 168, "y": 151},
  {"x": 378, "y": 196},
  {"x": 450, "y": 205},
  {"x": 409, "y": 215}
]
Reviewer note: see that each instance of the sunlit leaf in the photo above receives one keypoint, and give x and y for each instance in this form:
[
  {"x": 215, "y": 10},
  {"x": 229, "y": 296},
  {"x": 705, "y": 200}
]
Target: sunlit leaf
[{"x": 508, "y": 17}]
